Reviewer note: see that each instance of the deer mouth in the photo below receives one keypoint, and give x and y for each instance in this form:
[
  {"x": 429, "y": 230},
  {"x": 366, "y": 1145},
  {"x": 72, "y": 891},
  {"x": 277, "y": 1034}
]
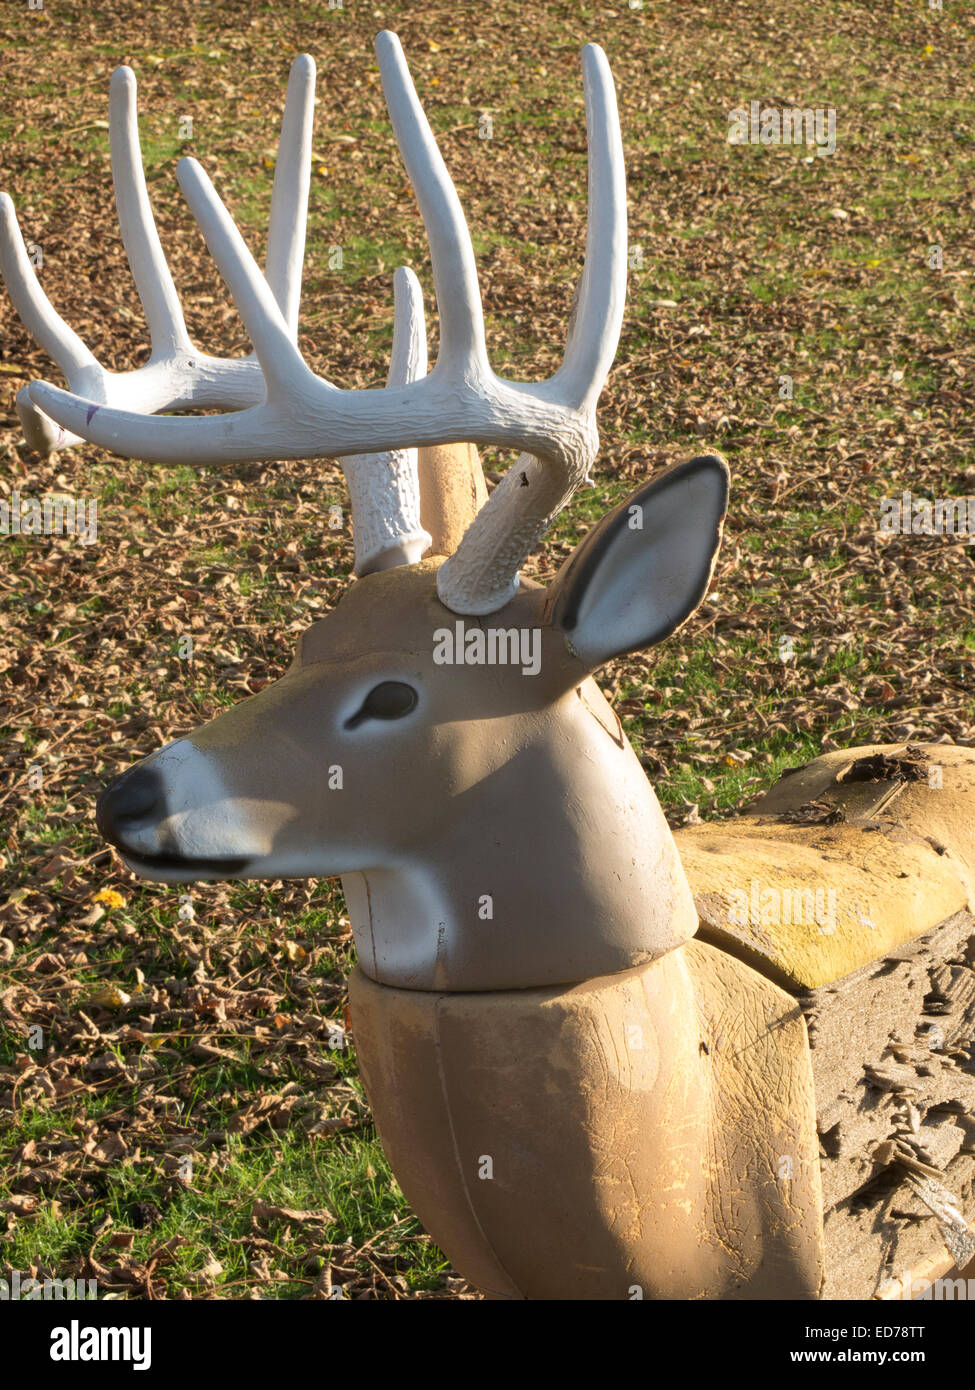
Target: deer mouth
[{"x": 180, "y": 868}]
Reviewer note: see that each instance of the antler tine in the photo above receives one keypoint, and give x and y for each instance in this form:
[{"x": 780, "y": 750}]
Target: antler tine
[
  {"x": 281, "y": 362},
  {"x": 384, "y": 488},
  {"x": 43, "y": 321},
  {"x": 160, "y": 302},
  {"x": 594, "y": 329},
  {"x": 289, "y": 197},
  {"x": 408, "y": 358},
  {"x": 462, "y": 344},
  {"x": 482, "y": 574}
]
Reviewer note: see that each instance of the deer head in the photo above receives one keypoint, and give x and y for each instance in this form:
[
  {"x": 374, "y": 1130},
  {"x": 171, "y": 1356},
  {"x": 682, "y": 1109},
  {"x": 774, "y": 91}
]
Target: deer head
[{"x": 438, "y": 740}]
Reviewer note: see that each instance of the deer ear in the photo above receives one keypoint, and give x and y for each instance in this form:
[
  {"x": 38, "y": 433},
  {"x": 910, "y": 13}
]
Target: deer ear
[{"x": 644, "y": 569}]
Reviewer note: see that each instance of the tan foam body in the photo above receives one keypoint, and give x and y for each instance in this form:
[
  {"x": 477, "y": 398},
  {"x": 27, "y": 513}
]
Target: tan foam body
[{"x": 651, "y": 1130}]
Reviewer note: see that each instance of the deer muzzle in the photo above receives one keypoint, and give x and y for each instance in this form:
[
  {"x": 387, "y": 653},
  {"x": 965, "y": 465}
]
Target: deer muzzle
[{"x": 172, "y": 819}]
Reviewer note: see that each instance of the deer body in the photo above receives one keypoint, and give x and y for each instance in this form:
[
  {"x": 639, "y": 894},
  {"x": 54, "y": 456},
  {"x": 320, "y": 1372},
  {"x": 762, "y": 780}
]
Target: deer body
[{"x": 645, "y": 1134}]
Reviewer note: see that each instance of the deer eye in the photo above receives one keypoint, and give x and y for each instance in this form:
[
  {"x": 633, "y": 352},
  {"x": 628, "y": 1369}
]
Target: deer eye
[{"x": 387, "y": 700}]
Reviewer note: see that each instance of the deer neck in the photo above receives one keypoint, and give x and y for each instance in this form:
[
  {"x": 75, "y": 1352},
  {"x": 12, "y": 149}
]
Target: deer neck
[{"x": 557, "y": 867}]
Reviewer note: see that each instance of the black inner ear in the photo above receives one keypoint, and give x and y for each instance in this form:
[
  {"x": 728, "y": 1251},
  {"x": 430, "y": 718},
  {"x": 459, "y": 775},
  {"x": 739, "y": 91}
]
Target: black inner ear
[{"x": 387, "y": 700}]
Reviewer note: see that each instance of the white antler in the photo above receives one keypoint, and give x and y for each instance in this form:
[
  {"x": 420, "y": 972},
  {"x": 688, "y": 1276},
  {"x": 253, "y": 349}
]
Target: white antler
[
  {"x": 383, "y": 487},
  {"x": 177, "y": 375},
  {"x": 461, "y": 400}
]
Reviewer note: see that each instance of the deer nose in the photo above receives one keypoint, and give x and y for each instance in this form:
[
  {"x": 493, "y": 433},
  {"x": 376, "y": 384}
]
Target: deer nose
[{"x": 135, "y": 796}]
